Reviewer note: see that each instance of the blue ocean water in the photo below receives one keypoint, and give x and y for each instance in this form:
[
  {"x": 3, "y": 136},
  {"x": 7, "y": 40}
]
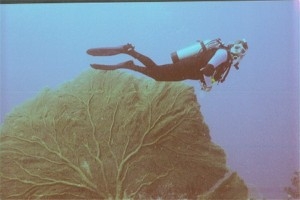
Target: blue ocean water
[{"x": 254, "y": 115}]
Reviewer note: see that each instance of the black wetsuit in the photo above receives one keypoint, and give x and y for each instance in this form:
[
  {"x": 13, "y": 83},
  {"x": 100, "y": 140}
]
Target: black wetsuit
[{"x": 188, "y": 68}]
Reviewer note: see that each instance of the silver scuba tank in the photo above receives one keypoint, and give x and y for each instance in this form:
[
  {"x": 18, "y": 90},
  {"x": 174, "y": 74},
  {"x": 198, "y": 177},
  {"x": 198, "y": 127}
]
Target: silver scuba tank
[{"x": 194, "y": 49}]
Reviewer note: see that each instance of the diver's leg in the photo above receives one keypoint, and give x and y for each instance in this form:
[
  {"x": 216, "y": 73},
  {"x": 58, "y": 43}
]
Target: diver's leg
[
  {"x": 126, "y": 49},
  {"x": 129, "y": 49},
  {"x": 128, "y": 65}
]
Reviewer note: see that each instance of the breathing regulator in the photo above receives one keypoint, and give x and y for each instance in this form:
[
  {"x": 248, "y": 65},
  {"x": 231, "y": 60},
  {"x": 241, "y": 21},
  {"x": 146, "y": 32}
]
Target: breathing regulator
[{"x": 238, "y": 51}]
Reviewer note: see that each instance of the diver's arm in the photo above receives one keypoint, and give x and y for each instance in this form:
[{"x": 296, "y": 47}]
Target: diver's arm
[{"x": 218, "y": 58}]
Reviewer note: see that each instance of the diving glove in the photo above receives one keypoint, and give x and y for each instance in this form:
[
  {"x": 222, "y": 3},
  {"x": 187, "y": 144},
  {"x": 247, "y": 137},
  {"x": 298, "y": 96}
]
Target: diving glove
[{"x": 206, "y": 88}]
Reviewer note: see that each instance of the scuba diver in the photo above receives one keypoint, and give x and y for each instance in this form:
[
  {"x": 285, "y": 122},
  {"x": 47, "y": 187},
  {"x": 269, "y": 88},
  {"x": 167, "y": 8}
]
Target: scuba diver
[{"x": 208, "y": 61}]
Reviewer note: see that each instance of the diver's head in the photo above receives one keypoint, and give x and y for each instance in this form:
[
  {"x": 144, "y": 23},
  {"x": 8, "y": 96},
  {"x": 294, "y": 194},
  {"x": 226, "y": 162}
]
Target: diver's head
[
  {"x": 238, "y": 51},
  {"x": 239, "y": 48}
]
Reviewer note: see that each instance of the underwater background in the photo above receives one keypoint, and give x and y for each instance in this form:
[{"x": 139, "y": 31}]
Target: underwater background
[{"x": 253, "y": 116}]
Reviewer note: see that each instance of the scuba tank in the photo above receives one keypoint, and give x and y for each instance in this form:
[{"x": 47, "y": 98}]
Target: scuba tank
[{"x": 195, "y": 49}]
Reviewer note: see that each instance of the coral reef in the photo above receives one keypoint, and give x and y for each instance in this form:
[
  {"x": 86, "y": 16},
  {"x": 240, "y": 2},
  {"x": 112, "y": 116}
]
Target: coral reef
[
  {"x": 229, "y": 187},
  {"x": 110, "y": 135}
]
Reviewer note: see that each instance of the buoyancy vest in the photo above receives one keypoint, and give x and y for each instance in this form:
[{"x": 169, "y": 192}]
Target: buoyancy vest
[{"x": 222, "y": 70}]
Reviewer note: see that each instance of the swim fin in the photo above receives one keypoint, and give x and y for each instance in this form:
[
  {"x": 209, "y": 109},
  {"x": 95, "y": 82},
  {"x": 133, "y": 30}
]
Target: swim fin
[
  {"x": 110, "y": 51},
  {"x": 125, "y": 64}
]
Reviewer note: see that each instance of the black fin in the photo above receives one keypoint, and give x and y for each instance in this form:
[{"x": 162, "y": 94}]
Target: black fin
[
  {"x": 125, "y": 64},
  {"x": 110, "y": 51}
]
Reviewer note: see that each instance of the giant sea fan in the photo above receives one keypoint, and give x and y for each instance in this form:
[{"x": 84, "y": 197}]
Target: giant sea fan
[{"x": 109, "y": 135}]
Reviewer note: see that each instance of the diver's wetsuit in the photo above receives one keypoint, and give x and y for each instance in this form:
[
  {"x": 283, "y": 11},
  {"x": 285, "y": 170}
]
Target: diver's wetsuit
[
  {"x": 183, "y": 69},
  {"x": 188, "y": 68}
]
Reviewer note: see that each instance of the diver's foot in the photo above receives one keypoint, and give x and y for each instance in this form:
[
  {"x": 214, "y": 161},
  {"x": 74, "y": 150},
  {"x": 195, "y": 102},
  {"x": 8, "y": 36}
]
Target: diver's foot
[
  {"x": 128, "y": 63},
  {"x": 127, "y": 48}
]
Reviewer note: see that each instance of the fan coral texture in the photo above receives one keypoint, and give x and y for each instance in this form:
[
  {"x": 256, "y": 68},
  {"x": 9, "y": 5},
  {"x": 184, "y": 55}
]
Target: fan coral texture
[{"x": 110, "y": 135}]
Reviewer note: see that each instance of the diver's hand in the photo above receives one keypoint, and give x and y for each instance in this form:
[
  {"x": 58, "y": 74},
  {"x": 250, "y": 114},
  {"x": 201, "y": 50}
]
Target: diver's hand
[{"x": 206, "y": 88}]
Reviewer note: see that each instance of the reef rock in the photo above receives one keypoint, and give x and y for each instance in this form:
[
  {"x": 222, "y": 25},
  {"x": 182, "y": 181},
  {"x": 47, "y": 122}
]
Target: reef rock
[{"x": 110, "y": 135}]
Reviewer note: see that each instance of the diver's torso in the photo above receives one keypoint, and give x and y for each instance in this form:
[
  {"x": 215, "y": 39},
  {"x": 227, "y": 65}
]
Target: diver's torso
[{"x": 188, "y": 68}]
